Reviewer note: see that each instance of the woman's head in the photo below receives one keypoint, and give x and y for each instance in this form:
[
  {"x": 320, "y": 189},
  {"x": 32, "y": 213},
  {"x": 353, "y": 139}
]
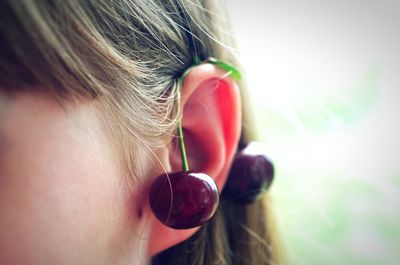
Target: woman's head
[
  {"x": 66, "y": 194},
  {"x": 88, "y": 113},
  {"x": 119, "y": 64}
]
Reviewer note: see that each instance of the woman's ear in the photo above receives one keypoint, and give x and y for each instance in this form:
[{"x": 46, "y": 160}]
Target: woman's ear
[{"x": 211, "y": 122}]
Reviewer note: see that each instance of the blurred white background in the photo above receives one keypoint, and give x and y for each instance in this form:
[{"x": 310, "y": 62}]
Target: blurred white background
[{"x": 325, "y": 78}]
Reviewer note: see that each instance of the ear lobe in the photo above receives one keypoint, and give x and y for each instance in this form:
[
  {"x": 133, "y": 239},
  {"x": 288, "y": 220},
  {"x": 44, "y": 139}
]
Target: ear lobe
[{"x": 211, "y": 122}]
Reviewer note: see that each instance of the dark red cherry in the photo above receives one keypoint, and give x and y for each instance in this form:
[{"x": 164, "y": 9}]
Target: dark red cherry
[
  {"x": 251, "y": 174},
  {"x": 186, "y": 200}
]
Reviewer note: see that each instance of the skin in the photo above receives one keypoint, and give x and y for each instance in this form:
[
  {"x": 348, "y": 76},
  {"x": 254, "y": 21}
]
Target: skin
[{"x": 64, "y": 198}]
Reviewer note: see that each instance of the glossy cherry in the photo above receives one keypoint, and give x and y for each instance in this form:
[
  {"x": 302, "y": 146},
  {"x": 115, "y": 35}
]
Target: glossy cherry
[
  {"x": 184, "y": 200},
  {"x": 251, "y": 174}
]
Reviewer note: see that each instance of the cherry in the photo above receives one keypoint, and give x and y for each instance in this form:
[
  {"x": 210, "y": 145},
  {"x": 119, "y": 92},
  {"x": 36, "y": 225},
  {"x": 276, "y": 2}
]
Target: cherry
[
  {"x": 251, "y": 174},
  {"x": 183, "y": 200}
]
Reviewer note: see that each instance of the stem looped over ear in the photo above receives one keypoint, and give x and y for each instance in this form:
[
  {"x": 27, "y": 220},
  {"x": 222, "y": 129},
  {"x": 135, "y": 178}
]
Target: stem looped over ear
[{"x": 232, "y": 72}]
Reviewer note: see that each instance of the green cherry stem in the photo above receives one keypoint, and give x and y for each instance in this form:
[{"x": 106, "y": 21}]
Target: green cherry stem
[
  {"x": 234, "y": 73},
  {"x": 185, "y": 166}
]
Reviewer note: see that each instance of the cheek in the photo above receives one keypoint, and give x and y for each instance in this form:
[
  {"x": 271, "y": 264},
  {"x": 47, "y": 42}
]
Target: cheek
[
  {"x": 45, "y": 209},
  {"x": 62, "y": 193}
]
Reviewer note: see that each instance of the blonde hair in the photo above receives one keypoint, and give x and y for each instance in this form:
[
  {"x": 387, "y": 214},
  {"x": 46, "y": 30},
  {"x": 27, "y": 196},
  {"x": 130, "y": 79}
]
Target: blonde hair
[{"x": 129, "y": 56}]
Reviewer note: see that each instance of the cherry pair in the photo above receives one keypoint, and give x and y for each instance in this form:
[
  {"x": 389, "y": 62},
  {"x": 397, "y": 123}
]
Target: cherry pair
[{"x": 187, "y": 199}]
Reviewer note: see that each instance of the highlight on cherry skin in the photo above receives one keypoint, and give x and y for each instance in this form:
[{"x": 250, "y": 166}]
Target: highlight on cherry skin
[
  {"x": 184, "y": 200},
  {"x": 250, "y": 176}
]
